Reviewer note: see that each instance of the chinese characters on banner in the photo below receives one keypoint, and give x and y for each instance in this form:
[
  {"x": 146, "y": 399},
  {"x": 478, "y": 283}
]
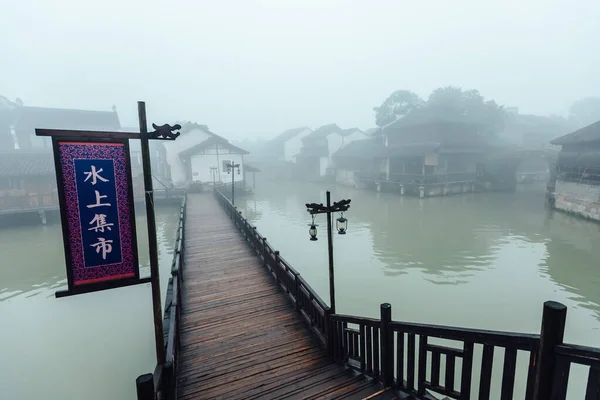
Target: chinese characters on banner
[{"x": 97, "y": 212}]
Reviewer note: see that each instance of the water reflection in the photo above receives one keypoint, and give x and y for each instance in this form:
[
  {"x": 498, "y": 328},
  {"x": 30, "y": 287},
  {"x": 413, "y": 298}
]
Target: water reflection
[{"x": 33, "y": 255}]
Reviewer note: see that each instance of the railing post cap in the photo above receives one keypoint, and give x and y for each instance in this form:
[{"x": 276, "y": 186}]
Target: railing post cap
[
  {"x": 276, "y": 252},
  {"x": 555, "y": 305},
  {"x": 386, "y": 305},
  {"x": 144, "y": 378}
]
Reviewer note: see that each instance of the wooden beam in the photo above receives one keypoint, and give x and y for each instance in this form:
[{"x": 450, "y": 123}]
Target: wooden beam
[{"x": 87, "y": 134}]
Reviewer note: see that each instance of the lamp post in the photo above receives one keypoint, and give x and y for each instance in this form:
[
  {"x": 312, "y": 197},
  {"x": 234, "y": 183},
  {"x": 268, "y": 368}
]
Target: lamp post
[
  {"x": 341, "y": 226},
  {"x": 230, "y": 167}
]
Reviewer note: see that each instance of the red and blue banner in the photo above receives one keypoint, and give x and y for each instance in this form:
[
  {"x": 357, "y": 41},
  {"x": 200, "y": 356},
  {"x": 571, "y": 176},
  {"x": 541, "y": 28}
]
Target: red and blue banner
[{"x": 97, "y": 210}]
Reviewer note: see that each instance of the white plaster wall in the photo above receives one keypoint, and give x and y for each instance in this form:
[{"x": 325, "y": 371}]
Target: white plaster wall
[
  {"x": 334, "y": 143},
  {"x": 201, "y": 164},
  {"x": 578, "y": 198},
  {"x": 293, "y": 146},
  {"x": 323, "y": 163},
  {"x": 174, "y": 147}
]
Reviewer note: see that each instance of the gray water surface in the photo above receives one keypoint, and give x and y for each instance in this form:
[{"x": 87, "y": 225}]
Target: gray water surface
[{"x": 90, "y": 346}]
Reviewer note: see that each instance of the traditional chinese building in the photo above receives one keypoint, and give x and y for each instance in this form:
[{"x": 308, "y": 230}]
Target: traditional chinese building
[
  {"x": 426, "y": 156},
  {"x": 26, "y": 119},
  {"x": 314, "y": 161},
  {"x": 285, "y": 146},
  {"x": 360, "y": 163},
  {"x": 27, "y": 182},
  {"x": 199, "y": 156},
  {"x": 577, "y": 185}
]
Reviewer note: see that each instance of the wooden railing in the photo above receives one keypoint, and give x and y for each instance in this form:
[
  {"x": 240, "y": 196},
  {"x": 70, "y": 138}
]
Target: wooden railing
[
  {"x": 162, "y": 384},
  {"x": 402, "y": 354},
  {"x": 568, "y": 354},
  {"x": 305, "y": 299}
]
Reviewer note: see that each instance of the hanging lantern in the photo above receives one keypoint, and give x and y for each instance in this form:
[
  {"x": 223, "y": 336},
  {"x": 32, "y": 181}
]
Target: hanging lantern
[
  {"x": 341, "y": 224},
  {"x": 238, "y": 169},
  {"x": 312, "y": 231}
]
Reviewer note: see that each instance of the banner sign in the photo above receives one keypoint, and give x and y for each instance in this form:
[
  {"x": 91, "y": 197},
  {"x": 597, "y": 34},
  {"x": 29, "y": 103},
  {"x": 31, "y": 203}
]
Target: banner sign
[{"x": 97, "y": 210}]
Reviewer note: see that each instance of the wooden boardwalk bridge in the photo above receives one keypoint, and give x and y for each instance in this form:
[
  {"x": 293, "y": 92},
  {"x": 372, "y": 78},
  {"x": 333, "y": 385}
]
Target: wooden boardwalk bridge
[
  {"x": 241, "y": 323},
  {"x": 240, "y": 337}
]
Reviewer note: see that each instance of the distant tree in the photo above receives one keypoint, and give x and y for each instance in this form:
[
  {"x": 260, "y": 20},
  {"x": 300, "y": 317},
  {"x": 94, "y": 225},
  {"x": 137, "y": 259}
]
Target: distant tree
[
  {"x": 585, "y": 111},
  {"x": 398, "y": 104},
  {"x": 469, "y": 105}
]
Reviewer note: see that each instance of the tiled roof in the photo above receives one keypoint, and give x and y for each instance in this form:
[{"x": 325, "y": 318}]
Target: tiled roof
[
  {"x": 287, "y": 135},
  {"x": 323, "y": 131},
  {"x": 366, "y": 149},
  {"x": 15, "y": 164},
  {"x": 59, "y": 118},
  {"x": 215, "y": 140},
  {"x": 588, "y": 134}
]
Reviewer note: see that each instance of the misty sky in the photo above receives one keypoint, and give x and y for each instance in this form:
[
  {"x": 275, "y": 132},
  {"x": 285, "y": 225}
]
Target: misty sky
[{"x": 256, "y": 68}]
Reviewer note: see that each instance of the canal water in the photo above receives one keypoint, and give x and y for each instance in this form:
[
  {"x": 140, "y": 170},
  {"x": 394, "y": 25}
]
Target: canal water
[
  {"x": 481, "y": 260},
  {"x": 90, "y": 346}
]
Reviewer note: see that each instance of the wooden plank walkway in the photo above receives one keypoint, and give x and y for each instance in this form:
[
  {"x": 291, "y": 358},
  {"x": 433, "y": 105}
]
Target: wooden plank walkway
[{"x": 240, "y": 336}]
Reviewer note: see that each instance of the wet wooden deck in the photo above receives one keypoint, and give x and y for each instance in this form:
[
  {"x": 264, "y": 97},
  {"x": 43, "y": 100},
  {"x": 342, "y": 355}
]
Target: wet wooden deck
[{"x": 240, "y": 336}]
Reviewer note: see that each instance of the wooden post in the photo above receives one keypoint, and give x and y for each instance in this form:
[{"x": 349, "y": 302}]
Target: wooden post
[
  {"x": 144, "y": 385},
  {"x": 330, "y": 252},
  {"x": 276, "y": 268},
  {"x": 168, "y": 381},
  {"x": 297, "y": 293},
  {"x": 553, "y": 330},
  {"x": 387, "y": 345},
  {"x": 329, "y": 333},
  {"x": 152, "y": 241},
  {"x": 264, "y": 251}
]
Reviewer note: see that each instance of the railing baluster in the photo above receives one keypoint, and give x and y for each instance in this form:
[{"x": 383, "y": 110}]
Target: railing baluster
[
  {"x": 422, "y": 364},
  {"x": 561, "y": 378},
  {"x": 369, "y": 343},
  {"x": 341, "y": 350},
  {"x": 531, "y": 375},
  {"x": 467, "y": 371},
  {"x": 362, "y": 349},
  {"x": 450, "y": 366},
  {"x": 508, "y": 373},
  {"x": 592, "y": 391},
  {"x": 435, "y": 368},
  {"x": 400, "y": 358},
  {"x": 376, "y": 350},
  {"x": 410, "y": 367},
  {"x": 485, "y": 379},
  {"x": 345, "y": 338}
]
